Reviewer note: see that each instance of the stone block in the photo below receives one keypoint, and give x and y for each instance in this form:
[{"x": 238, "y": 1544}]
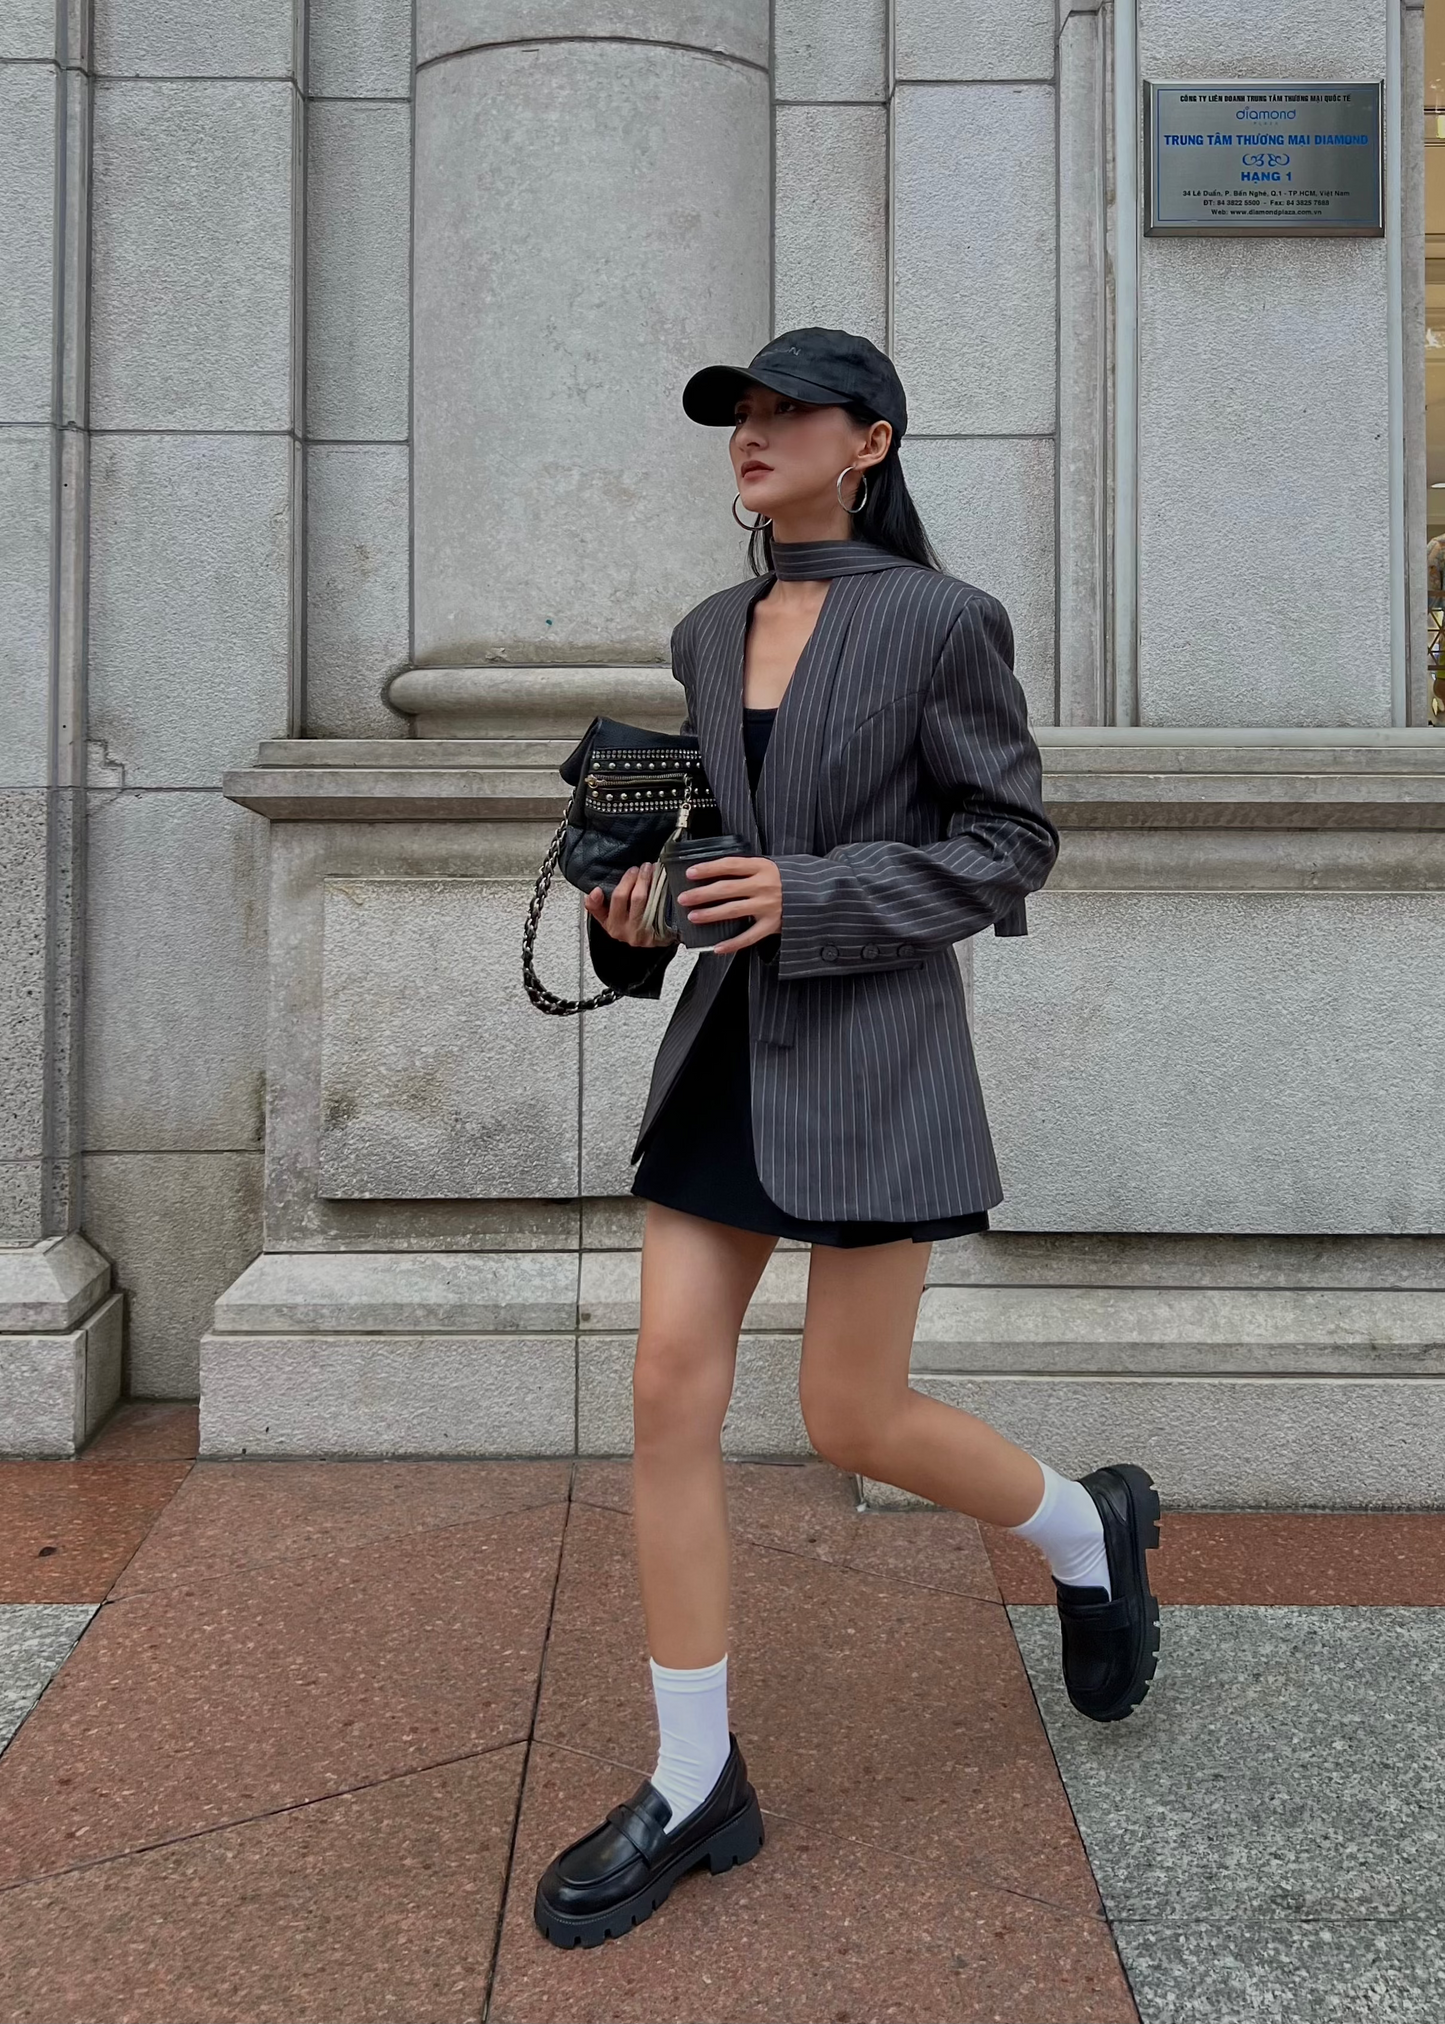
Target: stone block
[
  {"x": 190, "y": 602},
  {"x": 178, "y": 1227},
  {"x": 673, "y": 150},
  {"x": 155, "y": 38},
  {"x": 47, "y": 1288},
  {"x": 27, "y": 242},
  {"x": 358, "y": 577},
  {"x": 1179, "y": 1331},
  {"x": 1219, "y": 38},
  {"x": 55, "y": 1389},
  {"x": 359, "y": 48},
  {"x": 609, "y": 1293},
  {"x": 1221, "y": 1443},
  {"x": 400, "y": 1292},
  {"x": 736, "y": 28},
  {"x": 358, "y": 281},
  {"x": 986, "y": 39},
  {"x": 104, "y": 1359},
  {"x": 298, "y": 1215},
  {"x": 27, "y": 29},
  {"x": 822, "y": 51},
  {"x": 176, "y": 974},
  {"x": 830, "y": 230},
  {"x": 26, "y": 460},
  {"x": 192, "y": 255},
  {"x": 388, "y": 1395},
  {"x": 974, "y": 291},
  {"x": 24, "y": 1029},
  {"x": 1265, "y": 522},
  {"x": 1124, "y": 1260},
  {"x": 989, "y": 510},
  {"x": 764, "y": 1417},
  {"x": 1216, "y": 1061},
  {"x": 619, "y": 1045},
  {"x": 439, "y": 1079}
]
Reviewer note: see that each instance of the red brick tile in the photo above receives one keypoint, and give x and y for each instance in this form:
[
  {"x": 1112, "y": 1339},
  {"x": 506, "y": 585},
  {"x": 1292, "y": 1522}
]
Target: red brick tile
[
  {"x": 190, "y": 1708},
  {"x": 233, "y": 1515},
  {"x": 899, "y": 1714},
  {"x": 820, "y": 1925},
  {"x": 372, "y": 1907},
  {"x": 1262, "y": 1557},
  {"x": 148, "y": 1430},
  {"x": 68, "y": 1530}
]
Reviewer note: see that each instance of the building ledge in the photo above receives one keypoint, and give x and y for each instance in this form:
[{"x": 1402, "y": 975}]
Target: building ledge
[{"x": 1093, "y": 779}]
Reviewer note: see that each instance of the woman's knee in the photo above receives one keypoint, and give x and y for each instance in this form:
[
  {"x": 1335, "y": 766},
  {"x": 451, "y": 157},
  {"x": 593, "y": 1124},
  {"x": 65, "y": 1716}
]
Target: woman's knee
[
  {"x": 680, "y": 1387},
  {"x": 849, "y": 1433}
]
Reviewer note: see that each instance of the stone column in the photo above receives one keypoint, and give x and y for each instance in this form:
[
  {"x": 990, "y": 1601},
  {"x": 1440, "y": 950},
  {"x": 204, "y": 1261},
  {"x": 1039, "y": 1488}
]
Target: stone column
[
  {"x": 592, "y": 224},
  {"x": 60, "y": 1327}
]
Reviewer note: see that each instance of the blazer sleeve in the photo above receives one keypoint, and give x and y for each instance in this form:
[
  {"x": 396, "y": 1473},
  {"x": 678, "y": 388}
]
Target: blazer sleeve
[
  {"x": 885, "y": 905},
  {"x": 619, "y": 965}
]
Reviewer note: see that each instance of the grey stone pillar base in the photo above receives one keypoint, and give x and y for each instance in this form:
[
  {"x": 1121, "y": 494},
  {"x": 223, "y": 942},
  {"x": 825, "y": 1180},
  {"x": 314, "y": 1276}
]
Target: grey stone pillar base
[
  {"x": 61, "y": 1339},
  {"x": 1232, "y": 1396},
  {"x": 460, "y": 1353}
]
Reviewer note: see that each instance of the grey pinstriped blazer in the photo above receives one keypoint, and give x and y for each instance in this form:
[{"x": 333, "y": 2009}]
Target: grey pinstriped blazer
[{"x": 901, "y": 799}]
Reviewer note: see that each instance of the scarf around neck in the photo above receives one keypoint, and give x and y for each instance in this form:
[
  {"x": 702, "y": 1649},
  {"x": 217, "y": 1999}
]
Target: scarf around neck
[{"x": 816, "y": 559}]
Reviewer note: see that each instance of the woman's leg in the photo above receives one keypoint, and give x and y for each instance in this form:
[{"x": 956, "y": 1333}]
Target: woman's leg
[
  {"x": 862, "y": 1413},
  {"x": 697, "y": 1280}
]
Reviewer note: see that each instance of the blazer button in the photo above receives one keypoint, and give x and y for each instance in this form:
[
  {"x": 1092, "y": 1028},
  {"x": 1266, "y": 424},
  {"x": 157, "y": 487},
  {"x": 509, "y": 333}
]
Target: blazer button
[
  {"x": 828, "y": 952},
  {"x": 870, "y": 950}
]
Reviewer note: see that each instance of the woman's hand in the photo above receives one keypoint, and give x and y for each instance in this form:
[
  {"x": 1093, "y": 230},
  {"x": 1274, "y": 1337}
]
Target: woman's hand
[
  {"x": 622, "y": 915},
  {"x": 729, "y": 888}
]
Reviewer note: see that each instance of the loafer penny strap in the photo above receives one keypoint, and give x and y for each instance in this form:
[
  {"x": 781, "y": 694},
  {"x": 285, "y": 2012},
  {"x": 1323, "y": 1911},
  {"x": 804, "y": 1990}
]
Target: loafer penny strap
[
  {"x": 1115, "y": 1614},
  {"x": 644, "y": 1834}
]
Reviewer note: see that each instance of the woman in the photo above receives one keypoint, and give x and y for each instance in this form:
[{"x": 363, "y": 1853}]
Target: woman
[{"x": 817, "y": 1078}]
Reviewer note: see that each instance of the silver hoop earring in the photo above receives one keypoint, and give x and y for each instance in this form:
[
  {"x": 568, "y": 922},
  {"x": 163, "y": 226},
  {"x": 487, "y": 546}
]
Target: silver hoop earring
[
  {"x": 862, "y": 490},
  {"x": 761, "y": 521}
]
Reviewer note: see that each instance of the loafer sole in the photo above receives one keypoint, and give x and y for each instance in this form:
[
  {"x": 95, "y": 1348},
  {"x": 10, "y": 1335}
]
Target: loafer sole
[
  {"x": 737, "y": 1840},
  {"x": 1143, "y": 1533}
]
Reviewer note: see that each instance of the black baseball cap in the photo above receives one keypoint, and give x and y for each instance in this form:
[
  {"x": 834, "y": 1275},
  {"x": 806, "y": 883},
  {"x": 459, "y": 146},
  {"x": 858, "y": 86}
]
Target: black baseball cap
[{"x": 820, "y": 366}]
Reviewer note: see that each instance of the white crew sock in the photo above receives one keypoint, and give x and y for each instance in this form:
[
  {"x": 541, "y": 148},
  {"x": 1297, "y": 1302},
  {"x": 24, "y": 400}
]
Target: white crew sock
[
  {"x": 1068, "y": 1530},
  {"x": 692, "y": 1724}
]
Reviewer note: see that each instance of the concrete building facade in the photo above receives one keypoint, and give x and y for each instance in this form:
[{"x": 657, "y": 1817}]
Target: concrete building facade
[{"x": 345, "y": 478}]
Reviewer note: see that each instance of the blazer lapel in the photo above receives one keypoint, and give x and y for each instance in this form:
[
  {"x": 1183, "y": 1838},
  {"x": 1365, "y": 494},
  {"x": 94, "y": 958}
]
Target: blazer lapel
[
  {"x": 718, "y": 711},
  {"x": 788, "y": 782},
  {"x": 787, "y": 797}
]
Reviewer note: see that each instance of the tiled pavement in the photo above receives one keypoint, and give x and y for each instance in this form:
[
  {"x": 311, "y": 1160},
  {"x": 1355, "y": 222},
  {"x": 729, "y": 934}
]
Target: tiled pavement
[{"x": 312, "y": 1730}]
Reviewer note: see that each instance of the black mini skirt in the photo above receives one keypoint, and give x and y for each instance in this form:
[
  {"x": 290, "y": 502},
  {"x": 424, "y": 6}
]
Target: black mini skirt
[{"x": 699, "y": 1153}]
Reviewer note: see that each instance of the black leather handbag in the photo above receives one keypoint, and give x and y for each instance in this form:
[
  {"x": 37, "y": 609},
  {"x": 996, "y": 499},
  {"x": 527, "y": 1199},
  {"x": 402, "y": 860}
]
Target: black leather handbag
[{"x": 632, "y": 790}]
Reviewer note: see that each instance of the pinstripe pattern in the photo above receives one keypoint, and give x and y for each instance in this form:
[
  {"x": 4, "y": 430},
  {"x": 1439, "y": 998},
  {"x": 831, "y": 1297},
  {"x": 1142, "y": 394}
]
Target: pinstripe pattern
[{"x": 901, "y": 798}]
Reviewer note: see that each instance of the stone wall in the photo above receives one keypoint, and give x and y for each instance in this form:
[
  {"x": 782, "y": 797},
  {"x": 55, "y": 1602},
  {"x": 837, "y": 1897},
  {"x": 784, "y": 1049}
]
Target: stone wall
[{"x": 346, "y": 476}]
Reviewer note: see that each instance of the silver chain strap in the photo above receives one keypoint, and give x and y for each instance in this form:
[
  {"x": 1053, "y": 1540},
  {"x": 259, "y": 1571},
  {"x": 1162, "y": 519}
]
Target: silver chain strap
[{"x": 541, "y": 997}]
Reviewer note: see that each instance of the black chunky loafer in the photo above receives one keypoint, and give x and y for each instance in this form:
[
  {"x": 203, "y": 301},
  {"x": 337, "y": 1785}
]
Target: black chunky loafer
[
  {"x": 612, "y": 1878},
  {"x": 1111, "y": 1643}
]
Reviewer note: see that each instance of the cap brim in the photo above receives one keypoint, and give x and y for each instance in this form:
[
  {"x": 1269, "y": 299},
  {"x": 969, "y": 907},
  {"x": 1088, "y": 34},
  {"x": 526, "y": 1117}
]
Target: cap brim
[{"x": 711, "y": 396}]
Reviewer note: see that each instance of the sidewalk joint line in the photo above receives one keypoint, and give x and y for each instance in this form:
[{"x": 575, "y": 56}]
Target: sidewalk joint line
[
  {"x": 505, "y": 1893},
  {"x": 999, "y": 1601},
  {"x": 253, "y": 1819}
]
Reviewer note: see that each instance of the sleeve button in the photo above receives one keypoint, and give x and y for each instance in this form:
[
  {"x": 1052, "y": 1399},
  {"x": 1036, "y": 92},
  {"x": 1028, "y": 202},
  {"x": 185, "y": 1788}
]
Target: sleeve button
[
  {"x": 829, "y": 952},
  {"x": 870, "y": 950},
  {"x": 907, "y": 949}
]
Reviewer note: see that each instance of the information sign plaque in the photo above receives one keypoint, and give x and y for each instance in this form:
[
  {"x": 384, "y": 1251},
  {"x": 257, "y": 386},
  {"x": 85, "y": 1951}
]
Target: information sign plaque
[{"x": 1250, "y": 157}]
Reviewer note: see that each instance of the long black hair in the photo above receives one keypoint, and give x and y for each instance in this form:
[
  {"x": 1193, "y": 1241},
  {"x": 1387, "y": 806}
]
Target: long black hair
[{"x": 889, "y": 518}]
